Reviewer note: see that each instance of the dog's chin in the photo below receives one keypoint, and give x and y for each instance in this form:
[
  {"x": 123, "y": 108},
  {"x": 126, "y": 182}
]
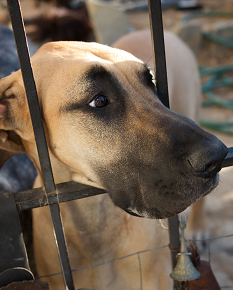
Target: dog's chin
[
  {"x": 154, "y": 213},
  {"x": 144, "y": 214},
  {"x": 151, "y": 214}
]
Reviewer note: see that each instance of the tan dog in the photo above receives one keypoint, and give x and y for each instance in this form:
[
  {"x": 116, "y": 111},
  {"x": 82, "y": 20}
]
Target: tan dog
[
  {"x": 106, "y": 127},
  {"x": 184, "y": 92}
]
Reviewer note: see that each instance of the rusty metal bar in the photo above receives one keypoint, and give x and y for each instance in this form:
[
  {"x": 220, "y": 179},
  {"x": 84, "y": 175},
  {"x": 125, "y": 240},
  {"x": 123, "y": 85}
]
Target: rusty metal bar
[
  {"x": 66, "y": 192},
  {"x": 30, "y": 87}
]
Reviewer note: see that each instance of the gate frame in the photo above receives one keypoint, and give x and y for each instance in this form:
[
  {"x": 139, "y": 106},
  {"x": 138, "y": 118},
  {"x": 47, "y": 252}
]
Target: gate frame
[{"x": 53, "y": 194}]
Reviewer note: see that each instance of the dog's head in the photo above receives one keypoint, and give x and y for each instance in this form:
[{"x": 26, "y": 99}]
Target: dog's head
[{"x": 106, "y": 127}]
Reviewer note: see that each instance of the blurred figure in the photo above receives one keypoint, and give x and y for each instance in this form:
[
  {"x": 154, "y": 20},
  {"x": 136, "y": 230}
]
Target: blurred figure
[
  {"x": 18, "y": 173},
  {"x": 62, "y": 22},
  {"x": 181, "y": 4}
]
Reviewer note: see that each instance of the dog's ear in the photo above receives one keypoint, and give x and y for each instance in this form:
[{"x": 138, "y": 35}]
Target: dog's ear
[{"x": 12, "y": 116}]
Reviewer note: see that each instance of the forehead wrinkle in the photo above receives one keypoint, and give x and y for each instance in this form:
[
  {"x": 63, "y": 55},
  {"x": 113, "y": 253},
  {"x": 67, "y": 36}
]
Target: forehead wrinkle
[
  {"x": 99, "y": 71},
  {"x": 89, "y": 80}
]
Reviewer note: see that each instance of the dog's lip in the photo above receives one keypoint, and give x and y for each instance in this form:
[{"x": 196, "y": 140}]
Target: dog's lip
[{"x": 129, "y": 211}]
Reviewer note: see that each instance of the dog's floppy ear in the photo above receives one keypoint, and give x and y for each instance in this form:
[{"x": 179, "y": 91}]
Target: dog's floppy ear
[{"x": 12, "y": 99}]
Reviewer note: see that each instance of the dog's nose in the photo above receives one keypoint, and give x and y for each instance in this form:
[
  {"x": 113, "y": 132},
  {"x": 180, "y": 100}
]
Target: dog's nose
[{"x": 207, "y": 162}]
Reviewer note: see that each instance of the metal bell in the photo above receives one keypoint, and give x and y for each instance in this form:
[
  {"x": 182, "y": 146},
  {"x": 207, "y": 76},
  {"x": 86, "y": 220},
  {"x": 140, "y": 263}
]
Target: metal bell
[{"x": 184, "y": 269}]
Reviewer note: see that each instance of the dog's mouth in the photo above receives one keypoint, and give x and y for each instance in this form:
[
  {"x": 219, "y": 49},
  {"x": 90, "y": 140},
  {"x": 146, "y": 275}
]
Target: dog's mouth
[
  {"x": 131, "y": 212},
  {"x": 174, "y": 204}
]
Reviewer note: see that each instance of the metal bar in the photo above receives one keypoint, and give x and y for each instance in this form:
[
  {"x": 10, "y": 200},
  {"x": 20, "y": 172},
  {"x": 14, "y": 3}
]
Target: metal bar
[
  {"x": 228, "y": 161},
  {"x": 66, "y": 192},
  {"x": 174, "y": 238},
  {"x": 30, "y": 87},
  {"x": 12, "y": 246},
  {"x": 156, "y": 27},
  {"x": 157, "y": 37},
  {"x": 156, "y": 24},
  {"x": 71, "y": 190}
]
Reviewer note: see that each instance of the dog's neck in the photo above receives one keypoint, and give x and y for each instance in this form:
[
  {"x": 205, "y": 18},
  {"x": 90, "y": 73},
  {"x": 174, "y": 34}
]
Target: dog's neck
[
  {"x": 94, "y": 226},
  {"x": 97, "y": 225}
]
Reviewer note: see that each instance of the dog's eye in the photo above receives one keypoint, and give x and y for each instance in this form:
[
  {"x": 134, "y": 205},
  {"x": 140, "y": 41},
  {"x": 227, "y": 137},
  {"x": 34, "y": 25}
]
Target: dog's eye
[{"x": 99, "y": 101}]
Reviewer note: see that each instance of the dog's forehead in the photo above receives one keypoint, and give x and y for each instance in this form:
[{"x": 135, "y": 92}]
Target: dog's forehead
[
  {"x": 65, "y": 51},
  {"x": 59, "y": 66},
  {"x": 59, "y": 61}
]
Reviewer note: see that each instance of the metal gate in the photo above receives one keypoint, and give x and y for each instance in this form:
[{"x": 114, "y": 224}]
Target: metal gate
[{"x": 13, "y": 263}]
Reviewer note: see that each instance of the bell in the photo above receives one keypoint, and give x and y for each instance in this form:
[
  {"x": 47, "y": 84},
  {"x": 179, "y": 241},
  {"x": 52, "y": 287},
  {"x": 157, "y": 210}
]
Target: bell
[{"x": 184, "y": 269}]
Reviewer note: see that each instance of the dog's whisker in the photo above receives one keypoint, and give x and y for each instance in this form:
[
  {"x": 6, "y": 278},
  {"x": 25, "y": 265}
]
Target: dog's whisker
[{"x": 149, "y": 59}]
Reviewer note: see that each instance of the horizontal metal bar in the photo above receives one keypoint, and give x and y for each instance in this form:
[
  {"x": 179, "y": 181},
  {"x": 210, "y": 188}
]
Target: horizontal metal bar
[
  {"x": 66, "y": 192},
  {"x": 71, "y": 190},
  {"x": 228, "y": 161}
]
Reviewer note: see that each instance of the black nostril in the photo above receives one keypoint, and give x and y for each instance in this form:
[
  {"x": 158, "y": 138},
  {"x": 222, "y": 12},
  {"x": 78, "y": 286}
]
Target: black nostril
[
  {"x": 211, "y": 169},
  {"x": 207, "y": 171}
]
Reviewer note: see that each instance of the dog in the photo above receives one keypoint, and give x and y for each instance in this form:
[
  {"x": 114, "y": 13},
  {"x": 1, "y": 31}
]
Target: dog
[
  {"x": 184, "y": 88},
  {"x": 106, "y": 127}
]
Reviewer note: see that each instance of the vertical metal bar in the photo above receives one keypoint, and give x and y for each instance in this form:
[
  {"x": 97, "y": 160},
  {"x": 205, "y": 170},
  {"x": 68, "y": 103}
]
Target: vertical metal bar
[
  {"x": 174, "y": 238},
  {"x": 30, "y": 87},
  {"x": 12, "y": 246},
  {"x": 14, "y": 265},
  {"x": 156, "y": 25}
]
